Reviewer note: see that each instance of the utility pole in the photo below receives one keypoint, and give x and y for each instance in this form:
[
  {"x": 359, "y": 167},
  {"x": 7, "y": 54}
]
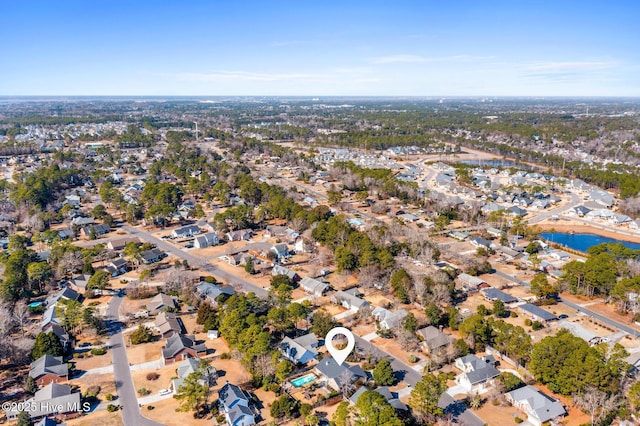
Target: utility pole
[{"x": 196, "y": 130}]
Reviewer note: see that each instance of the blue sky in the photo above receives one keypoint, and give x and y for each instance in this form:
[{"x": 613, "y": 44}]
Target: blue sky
[{"x": 320, "y": 48}]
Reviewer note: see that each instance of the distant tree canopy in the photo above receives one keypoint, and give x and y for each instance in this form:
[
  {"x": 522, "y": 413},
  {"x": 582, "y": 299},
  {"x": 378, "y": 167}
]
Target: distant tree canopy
[{"x": 567, "y": 364}]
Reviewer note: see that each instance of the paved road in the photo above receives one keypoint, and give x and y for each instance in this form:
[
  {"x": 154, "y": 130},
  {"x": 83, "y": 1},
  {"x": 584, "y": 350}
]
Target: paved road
[
  {"x": 411, "y": 376},
  {"x": 602, "y": 318},
  {"x": 545, "y": 214},
  {"x": 196, "y": 260},
  {"x": 124, "y": 381}
]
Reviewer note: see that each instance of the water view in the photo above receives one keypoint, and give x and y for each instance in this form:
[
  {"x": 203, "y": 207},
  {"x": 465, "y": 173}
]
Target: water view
[{"x": 582, "y": 242}]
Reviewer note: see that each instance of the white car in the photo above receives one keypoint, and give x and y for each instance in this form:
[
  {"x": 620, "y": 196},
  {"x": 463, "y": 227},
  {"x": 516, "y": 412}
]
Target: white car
[{"x": 164, "y": 392}]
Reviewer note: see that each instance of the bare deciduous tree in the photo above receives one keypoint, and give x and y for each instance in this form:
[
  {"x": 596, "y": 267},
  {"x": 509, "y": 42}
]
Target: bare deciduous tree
[
  {"x": 21, "y": 315},
  {"x": 597, "y": 403},
  {"x": 346, "y": 382}
]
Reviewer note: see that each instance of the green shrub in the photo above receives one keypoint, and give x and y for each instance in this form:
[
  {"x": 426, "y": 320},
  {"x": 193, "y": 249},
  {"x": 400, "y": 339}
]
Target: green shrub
[
  {"x": 537, "y": 325},
  {"x": 527, "y": 322},
  {"x": 109, "y": 397},
  {"x": 413, "y": 359},
  {"x": 518, "y": 420},
  {"x": 225, "y": 355},
  {"x": 111, "y": 408},
  {"x": 98, "y": 351},
  {"x": 143, "y": 391},
  {"x": 150, "y": 407}
]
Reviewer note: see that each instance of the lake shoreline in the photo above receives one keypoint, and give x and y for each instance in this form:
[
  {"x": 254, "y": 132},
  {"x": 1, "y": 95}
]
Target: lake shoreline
[{"x": 587, "y": 229}]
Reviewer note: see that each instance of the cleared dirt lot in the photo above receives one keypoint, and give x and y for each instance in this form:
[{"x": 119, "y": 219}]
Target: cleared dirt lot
[
  {"x": 102, "y": 418},
  {"x": 144, "y": 352}
]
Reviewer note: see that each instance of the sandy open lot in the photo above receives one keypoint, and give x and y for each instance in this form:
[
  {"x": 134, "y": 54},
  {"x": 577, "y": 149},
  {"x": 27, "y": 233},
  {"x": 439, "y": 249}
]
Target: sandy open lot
[
  {"x": 144, "y": 352},
  {"x": 103, "y": 418},
  {"x": 92, "y": 361},
  {"x": 105, "y": 381},
  {"x": 163, "y": 382}
]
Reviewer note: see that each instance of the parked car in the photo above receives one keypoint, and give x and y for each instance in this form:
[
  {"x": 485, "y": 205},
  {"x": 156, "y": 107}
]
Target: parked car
[{"x": 164, "y": 392}]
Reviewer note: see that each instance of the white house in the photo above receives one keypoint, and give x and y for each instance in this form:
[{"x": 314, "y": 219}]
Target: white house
[
  {"x": 477, "y": 373},
  {"x": 235, "y": 404},
  {"x": 206, "y": 240},
  {"x": 539, "y": 407}
]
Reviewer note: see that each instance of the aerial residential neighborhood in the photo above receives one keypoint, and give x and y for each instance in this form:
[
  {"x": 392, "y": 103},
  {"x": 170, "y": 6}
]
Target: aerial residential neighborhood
[{"x": 319, "y": 213}]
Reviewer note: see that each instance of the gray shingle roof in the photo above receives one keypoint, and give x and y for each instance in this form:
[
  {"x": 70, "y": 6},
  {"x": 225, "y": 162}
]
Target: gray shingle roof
[
  {"x": 537, "y": 311},
  {"x": 49, "y": 364},
  {"x": 329, "y": 368},
  {"x": 178, "y": 342},
  {"x": 543, "y": 406},
  {"x": 493, "y": 294}
]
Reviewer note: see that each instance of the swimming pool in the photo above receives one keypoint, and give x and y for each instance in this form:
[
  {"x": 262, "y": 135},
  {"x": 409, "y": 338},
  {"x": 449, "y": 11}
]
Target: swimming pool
[
  {"x": 34, "y": 304},
  {"x": 301, "y": 381}
]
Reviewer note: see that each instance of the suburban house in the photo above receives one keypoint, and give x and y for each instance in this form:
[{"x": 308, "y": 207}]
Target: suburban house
[
  {"x": 67, "y": 293},
  {"x": 300, "y": 350},
  {"x": 313, "y": 286},
  {"x": 168, "y": 324},
  {"x": 494, "y": 232},
  {"x": 82, "y": 221},
  {"x": 388, "y": 319},
  {"x": 281, "y": 251},
  {"x": 188, "y": 231},
  {"x": 190, "y": 365},
  {"x": 49, "y": 369},
  {"x": 433, "y": 340},
  {"x": 477, "y": 373},
  {"x": 602, "y": 197},
  {"x": 99, "y": 229},
  {"x": 536, "y": 313},
  {"x": 52, "y": 399},
  {"x": 539, "y": 407},
  {"x": 240, "y": 235},
  {"x": 470, "y": 283},
  {"x": 391, "y": 397},
  {"x": 151, "y": 256},
  {"x": 281, "y": 270},
  {"x": 240, "y": 259},
  {"x": 211, "y": 291},
  {"x": 118, "y": 267},
  {"x": 581, "y": 332},
  {"x": 79, "y": 283},
  {"x": 64, "y": 234},
  {"x": 334, "y": 373},
  {"x": 206, "y": 240},
  {"x": 479, "y": 242},
  {"x": 350, "y": 300},
  {"x": 121, "y": 243},
  {"x": 161, "y": 302},
  {"x": 52, "y": 326},
  {"x": 235, "y": 404},
  {"x": 180, "y": 347},
  {"x": 459, "y": 235},
  {"x": 491, "y": 294}
]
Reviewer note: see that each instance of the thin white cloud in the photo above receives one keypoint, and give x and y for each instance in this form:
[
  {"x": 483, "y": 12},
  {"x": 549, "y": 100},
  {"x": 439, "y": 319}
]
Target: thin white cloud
[{"x": 417, "y": 59}]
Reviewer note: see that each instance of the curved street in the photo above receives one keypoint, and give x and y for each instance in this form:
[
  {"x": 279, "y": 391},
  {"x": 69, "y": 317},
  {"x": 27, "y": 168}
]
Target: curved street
[{"x": 125, "y": 389}]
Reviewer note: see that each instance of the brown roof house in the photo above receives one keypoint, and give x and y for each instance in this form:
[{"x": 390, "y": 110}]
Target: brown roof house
[
  {"x": 161, "y": 302},
  {"x": 180, "y": 347},
  {"x": 168, "y": 324},
  {"x": 49, "y": 369}
]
